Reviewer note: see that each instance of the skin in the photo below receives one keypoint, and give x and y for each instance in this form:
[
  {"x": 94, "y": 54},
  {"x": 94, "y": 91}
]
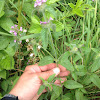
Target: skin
[{"x": 29, "y": 83}]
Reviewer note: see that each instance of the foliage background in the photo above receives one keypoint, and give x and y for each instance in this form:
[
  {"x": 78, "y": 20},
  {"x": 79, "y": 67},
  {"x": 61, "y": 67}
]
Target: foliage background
[{"x": 71, "y": 39}]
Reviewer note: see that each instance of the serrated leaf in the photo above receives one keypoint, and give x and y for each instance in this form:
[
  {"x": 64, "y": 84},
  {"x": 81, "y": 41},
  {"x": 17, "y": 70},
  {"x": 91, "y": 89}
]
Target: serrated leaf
[
  {"x": 35, "y": 28},
  {"x": 53, "y": 96},
  {"x": 51, "y": 1},
  {"x": 79, "y": 95},
  {"x": 42, "y": 87},
  {"x": 71, "y": 5},
  {"x": 7, "y": 63},
  {"x": 2, "y": 13},
  {"x": 65, "y": 62},
  {"x": 71, "y": 84},
  {"x": 46, "y": 60},
  {"x": 96, "y": 65},
  {"x": 35, "y": 19},
  {"x": 4, "y": 85},
  {"x": 44, "y": 38},
  {"x": 2, "y": 2},
  {"x": 28, "y": 8},
  {"x": 50, "y": 79},
  {"x": 78, "y": 12},
  {"x": 59, "y": 25},
  {"x": 6, "y": 23},
  {"x": 57, "y": 89},
  {"x": 4, "y": 41},
  {"x": 95, "y": 79},
  {"x": 51, "y": 10},
  {"x": 78, "y": 4},
  {"x": 3, "y": 74}
]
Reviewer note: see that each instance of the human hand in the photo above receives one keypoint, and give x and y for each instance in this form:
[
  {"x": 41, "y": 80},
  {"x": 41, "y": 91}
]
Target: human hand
[{"x": 29, "y": 83}]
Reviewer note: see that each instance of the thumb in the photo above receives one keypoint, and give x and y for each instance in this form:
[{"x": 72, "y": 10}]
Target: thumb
[{"x": 45, "y": 75}]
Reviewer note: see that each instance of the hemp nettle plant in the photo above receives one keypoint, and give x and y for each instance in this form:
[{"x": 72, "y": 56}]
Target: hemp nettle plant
[{"x": 64, "y": 32}]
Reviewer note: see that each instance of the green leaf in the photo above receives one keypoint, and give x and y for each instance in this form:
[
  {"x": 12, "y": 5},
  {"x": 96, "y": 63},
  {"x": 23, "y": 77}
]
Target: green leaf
[
  {"x": 51, "y": 10},
  {"x": 87, "y": 7},
  {"x": 54, "y": 96},
  {"x": 35, "y": 28},
  {"x": 42, "y": 87},
  {"x": 96, "y": 65},
  {"x": 2, "y": 13},
  {"x": 10, "y": 51},
  {"x": 3, "y": 74},
  {"x": 35, "y": 19},
  {"x": 15, "y": 81},
  {"x": 6, "y": 23},
  {"x": 46, "y": 60},
  {"x": 28, "y": 9},
  {"x": 7, "y": 63},
  {"x": 2, "y": 2},
  {"x": 95, "y": 79},
  {"x": 4, "y": 41},
  {"x": 78, "y": 12},
  {"x": 65, "y": 62},
  {"x": 5, "y": 34},
  {"x": 50, "y": 79},
  {"x": 57, "y": 89},
  {"x": 1, "y": 96},
  {"x": 71, "y": 84},
  {"x": 30, "y": 36},
  {"x": 79, "y": 95},
  {"x": 4, "y": 85},
  {"x": 51, "y": 1},
  {"x": 59, "y": 25},
  {"x": 78, "y": 4},
  {"x": 71, "y": 5},
  {"x": 44, "y": 38}
]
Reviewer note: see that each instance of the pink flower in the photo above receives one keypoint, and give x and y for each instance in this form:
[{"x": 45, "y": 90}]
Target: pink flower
[
  {"x": 12, "y": 26},
  {"x": 39, "y": 2},
  {"x": 15, "y": 41},
  {"x": 15, "y": 33},
  {"x": 11, "y": 31},
  {"x": 21, "y": 29},
  {"x": 44, "y": 0},
  {"x": 46, "y": 22},
  {"x": 16, "y": 25}
]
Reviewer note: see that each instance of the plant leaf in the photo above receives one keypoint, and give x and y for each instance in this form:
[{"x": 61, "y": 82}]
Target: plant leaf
[
  {"x": 42, "y": 87},
  {"x": 3, "y": 74},
  {"x": 46, "y": 60},
  {"x": 95, "y": 79},
  {"x": 4, "y": 85},
  {"x": 71, "y": 84},
  {"x": 50, "y": 79},
  {"x": 44, "y": 37}
]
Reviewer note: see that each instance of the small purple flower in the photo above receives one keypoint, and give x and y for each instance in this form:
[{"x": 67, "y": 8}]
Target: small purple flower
[
  {"x": 39, "y": 2},
  {"x": 15, "y": 33},
  {"x": 16, "y": 25},
  {"x": 21, "y": 29},
  {"x": 11, "y": 31},
  {"x": 43, "y": 22},
  {"x": 46, "y": 22},
  {"x": 15, "y": 41},
  {"x": 12, "y": 26}
]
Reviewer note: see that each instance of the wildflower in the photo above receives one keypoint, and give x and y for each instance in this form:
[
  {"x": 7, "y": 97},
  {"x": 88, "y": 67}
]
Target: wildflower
[
  {"x": 21, "y": 29},
  {"x": 15, "y": 33},
  {"x": 39, "y": 2},
  {"x": 12, "y": 26},
  {"x": 39, "y": 47},
  {"x": 25, "y": 30},
  {"x": 47, "y": 21},
  {"x": 27, "y": 40},
  {"x": 15, "y": 41},
  {"x": 16, "y": 25},
  {"x": 31, "y": 55}
]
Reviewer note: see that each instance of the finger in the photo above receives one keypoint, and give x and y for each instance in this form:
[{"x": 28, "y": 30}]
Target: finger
[
  {"x": 62, "y": 68},
  {"x": 58, "y": 81},
  {"x": 47, "y": 74},
  {"x": 35, "y": 68},
  {"x": 66, "y": 73}
]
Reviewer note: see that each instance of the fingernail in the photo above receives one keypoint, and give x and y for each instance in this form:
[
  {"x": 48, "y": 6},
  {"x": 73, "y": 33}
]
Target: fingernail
[{"x": 56, "y": 71}]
